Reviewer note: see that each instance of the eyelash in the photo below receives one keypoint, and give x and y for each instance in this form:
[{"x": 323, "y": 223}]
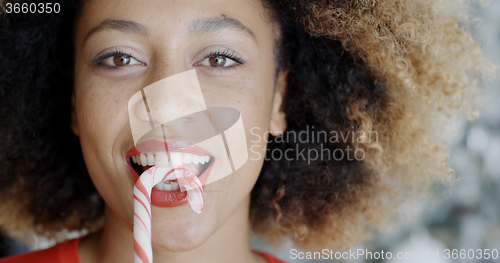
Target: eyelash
[
  {"x": 96, "y": 61},
  {"x": 226, "y": 53}
]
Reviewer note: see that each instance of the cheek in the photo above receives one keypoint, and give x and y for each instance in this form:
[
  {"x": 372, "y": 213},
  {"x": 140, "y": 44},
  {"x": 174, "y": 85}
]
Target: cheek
[
  {"x": 252, "y": 96},
  {"x": 100, "y": 108},
  {"x": 250, "y": 93},
  {"x": 97, "y": 118},
  {"x": 102, "y": 119}
]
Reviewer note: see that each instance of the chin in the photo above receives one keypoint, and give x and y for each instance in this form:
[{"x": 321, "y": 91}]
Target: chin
[{"x": 177, "y": 233}]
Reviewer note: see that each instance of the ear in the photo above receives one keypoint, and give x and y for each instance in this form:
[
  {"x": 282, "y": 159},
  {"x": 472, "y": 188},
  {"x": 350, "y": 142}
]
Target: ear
[
  {"x": 74, "y": 122},
  {"x": 277, "y": 125}
]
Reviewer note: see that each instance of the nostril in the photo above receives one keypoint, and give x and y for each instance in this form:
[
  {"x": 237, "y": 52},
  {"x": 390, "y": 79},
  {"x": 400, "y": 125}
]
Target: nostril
[
  {"x": 140, "y": 122},
  {"x": 188, "y": 119}
]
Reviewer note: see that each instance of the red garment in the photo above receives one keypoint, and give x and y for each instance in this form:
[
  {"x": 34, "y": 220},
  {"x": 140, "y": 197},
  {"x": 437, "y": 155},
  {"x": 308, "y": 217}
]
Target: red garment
[
  {"x": 67, "y": 252},
  {"x": 269, "y": 258}
]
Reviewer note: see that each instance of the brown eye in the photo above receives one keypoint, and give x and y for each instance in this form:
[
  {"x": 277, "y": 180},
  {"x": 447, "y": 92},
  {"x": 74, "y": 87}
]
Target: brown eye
[
  {"x": 217, "y": 61},
  {"x": 120, "y": 61}
]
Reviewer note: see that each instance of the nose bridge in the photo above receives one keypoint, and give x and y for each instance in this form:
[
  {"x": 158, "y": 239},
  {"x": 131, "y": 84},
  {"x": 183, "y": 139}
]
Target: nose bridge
[{"x": 174, "y": 97}]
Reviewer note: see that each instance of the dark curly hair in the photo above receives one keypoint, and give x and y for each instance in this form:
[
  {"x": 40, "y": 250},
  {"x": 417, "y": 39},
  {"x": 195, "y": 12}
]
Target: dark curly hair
[{"x": 391, "y": 67}]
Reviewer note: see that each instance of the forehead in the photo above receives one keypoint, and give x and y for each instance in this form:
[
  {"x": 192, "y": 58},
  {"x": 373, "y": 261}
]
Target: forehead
[{"x": 177, "y": 18}]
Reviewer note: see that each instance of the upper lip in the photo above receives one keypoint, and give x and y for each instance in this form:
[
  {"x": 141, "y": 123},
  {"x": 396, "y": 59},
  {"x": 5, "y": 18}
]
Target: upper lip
[{"x": 170, "y": 146}]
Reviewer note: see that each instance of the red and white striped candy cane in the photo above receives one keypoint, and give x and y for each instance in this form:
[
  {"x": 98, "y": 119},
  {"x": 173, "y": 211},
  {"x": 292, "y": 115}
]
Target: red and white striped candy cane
[{"x": 143, "y": 252}]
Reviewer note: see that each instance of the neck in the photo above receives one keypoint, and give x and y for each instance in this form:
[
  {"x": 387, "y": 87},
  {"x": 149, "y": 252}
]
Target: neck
[{"x": 229, "y": 243}]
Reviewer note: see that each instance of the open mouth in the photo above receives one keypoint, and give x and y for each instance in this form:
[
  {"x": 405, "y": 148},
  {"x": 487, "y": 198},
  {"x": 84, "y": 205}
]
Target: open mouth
[{"x": 197, "y": 164}]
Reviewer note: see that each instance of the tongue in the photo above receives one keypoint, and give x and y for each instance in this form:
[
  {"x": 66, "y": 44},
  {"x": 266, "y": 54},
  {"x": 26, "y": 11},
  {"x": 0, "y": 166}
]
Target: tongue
[{"x": 187, "y": 179}]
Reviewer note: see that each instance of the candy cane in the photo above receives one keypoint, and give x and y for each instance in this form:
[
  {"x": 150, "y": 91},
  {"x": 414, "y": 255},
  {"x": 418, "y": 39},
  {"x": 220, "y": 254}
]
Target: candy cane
[{"x": 143, "y": 252}]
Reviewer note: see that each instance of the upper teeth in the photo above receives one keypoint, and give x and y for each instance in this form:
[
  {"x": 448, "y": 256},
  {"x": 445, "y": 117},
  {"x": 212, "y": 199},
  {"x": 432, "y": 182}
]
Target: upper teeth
[{"x": 160, "y": 159}]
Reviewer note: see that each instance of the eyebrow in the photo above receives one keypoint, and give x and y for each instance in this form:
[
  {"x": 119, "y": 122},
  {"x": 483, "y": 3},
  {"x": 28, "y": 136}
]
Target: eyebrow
[
  {"x": 210, "y": 25},
  {"x": 200, "y": 26},
  {"x": 120, "y": 25}
]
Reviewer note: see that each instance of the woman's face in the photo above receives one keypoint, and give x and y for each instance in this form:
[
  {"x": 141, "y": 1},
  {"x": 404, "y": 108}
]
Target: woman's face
[{"x": 124, "y": 46}]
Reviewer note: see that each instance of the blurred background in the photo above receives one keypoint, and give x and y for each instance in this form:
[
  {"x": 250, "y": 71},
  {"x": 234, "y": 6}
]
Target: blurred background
[{"x": 468, "y": 217}]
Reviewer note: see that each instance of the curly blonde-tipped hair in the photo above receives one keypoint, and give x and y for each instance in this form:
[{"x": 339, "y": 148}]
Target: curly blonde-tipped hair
[{"x": 429, "y": 67}]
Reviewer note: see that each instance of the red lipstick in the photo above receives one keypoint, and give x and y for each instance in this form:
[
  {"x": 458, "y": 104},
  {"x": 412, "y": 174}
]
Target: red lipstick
[{"x": 162, "y": 198}]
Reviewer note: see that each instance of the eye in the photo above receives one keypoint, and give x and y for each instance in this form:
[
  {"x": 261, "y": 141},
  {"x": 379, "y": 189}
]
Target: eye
[
  {"x": 119, "y": 60},
  {"x": 221, "y": 59},
  {"x": 218, "y": 61},
  {"x": 116, "y": 59}
]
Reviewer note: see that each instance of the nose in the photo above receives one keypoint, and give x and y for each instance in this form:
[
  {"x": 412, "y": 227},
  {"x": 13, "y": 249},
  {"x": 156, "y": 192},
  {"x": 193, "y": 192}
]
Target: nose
[{"x": 175, "y": 98}]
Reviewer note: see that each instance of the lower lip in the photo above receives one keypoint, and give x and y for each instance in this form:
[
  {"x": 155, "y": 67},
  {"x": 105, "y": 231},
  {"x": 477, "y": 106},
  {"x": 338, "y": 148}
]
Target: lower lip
[{"x": 168, "y": 198}]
